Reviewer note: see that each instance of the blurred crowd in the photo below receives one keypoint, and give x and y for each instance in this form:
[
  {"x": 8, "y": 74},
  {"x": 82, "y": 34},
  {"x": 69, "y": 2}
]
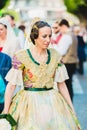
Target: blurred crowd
[{"x": 69, "y": 41}]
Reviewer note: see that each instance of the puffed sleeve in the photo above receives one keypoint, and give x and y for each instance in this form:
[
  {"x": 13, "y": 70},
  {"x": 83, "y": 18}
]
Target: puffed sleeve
[
  {"x": 14, "y": 76},
  {"x": 61, "y": 73}
]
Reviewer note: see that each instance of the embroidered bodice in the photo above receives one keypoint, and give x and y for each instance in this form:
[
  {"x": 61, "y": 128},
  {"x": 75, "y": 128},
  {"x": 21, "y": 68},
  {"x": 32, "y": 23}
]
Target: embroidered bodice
[
  {"x": 35, "y": 74},
  {"x": 27, "y": 72}
]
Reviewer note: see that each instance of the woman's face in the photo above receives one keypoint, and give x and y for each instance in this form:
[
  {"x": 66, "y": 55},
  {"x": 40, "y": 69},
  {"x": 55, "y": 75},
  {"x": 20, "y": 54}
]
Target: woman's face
[
  {"x": 44, "y": 37},
  {"x": 3, "y": 30}
]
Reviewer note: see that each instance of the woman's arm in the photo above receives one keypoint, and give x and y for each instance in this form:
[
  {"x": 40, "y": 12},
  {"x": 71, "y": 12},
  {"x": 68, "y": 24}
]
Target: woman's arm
[
  {"x": 8, "y": 96},
  {"x": 64, "y": 92}
]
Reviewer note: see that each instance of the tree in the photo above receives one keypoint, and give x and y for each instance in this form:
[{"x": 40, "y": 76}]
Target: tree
[
  {"x": 77, "y": 7},
  {"x": 3, "y": 3}
]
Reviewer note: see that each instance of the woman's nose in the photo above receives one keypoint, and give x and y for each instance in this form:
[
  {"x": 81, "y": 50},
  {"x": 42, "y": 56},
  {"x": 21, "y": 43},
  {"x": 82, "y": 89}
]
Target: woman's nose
[{"x": 48, "y": 39}]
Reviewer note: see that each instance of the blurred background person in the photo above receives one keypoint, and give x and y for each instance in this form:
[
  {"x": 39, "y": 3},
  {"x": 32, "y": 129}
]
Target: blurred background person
[
  {"x": 66, "y": 45},
  {"x": 18, "y": 32},
  {"x": 62, "y": 42},
  {"x": 81, "y": 50},
  {"x": 22, "y": 27},
  {"x": 55, "y": 32},
  {"x": 9, "y": 44},
  {"x": 5, "y": 65}
]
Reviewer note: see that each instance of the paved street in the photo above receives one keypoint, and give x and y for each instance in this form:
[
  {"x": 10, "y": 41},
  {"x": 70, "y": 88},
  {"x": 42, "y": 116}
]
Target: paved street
[{"x": 80, "y": 97}]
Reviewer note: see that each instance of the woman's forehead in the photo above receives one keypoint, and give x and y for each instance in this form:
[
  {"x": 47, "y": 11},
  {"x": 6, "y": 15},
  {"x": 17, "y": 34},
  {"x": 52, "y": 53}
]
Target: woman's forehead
[
  {"x": 45, "y": 29},
  {"x": 2, "y": 25}
]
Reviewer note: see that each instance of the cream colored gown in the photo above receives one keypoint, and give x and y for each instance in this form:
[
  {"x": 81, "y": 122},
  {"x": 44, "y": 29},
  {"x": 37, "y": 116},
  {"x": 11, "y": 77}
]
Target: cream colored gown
[{"x": 38, "y": 106}]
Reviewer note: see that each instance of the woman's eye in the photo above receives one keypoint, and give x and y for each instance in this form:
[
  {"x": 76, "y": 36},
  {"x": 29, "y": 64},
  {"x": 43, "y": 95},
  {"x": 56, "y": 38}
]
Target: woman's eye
[
  {"x": 44, "y": 36},
  {"x": 50, "y": 36}
]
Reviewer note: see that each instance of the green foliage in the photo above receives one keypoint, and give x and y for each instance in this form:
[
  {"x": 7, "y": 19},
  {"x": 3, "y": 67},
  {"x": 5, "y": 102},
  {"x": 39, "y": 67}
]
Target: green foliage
[
  {"x": 73, "y": 5},
  {"x": 70, "y": 4},
  {"x": 3, "y": 3},
  {"x": 11, "y": 12},
  {"x": 77, "y": 7}
]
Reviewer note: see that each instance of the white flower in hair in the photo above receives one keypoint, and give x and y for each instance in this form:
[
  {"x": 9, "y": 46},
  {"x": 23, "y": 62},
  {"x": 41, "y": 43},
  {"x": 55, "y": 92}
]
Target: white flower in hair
[{"x": 4, "y": 125}]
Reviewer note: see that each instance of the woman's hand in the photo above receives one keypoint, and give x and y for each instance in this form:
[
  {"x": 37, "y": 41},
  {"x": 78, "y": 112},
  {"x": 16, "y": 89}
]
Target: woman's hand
[{"x": 64, "y": 92}]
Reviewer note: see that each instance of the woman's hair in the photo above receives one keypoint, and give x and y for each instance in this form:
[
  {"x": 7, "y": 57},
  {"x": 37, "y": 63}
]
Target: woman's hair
[
  {"x": 4, "y": 25},
  {"x": 35, "y": 30}
]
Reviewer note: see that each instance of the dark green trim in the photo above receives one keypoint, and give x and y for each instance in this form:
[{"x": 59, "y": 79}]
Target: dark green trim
[
  {"x": 9, "y": 118},
  {"x": 49, "y": 57},
  {"x": 29, "y": 53},
  {"x": 37, "y": 89}
]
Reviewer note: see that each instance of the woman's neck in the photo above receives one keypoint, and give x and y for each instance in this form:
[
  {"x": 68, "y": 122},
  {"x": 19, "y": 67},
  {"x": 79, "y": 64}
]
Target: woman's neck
[
  {"x": 40, "y": 55},
  {"x": 39, "y": 50}
]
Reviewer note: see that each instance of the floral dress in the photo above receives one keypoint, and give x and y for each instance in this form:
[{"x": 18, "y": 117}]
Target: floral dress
[{"x": 38, "y": 106}]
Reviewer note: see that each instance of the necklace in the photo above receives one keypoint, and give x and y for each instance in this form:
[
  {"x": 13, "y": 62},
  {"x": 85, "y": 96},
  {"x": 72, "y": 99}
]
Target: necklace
[{"x": 39, "y": 57}]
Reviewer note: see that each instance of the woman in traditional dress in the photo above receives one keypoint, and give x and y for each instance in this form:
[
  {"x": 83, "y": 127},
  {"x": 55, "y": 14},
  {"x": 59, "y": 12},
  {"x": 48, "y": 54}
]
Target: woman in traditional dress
[
  {"x": 8, "y": 42},
  {"x": 38, "y": 106}
]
